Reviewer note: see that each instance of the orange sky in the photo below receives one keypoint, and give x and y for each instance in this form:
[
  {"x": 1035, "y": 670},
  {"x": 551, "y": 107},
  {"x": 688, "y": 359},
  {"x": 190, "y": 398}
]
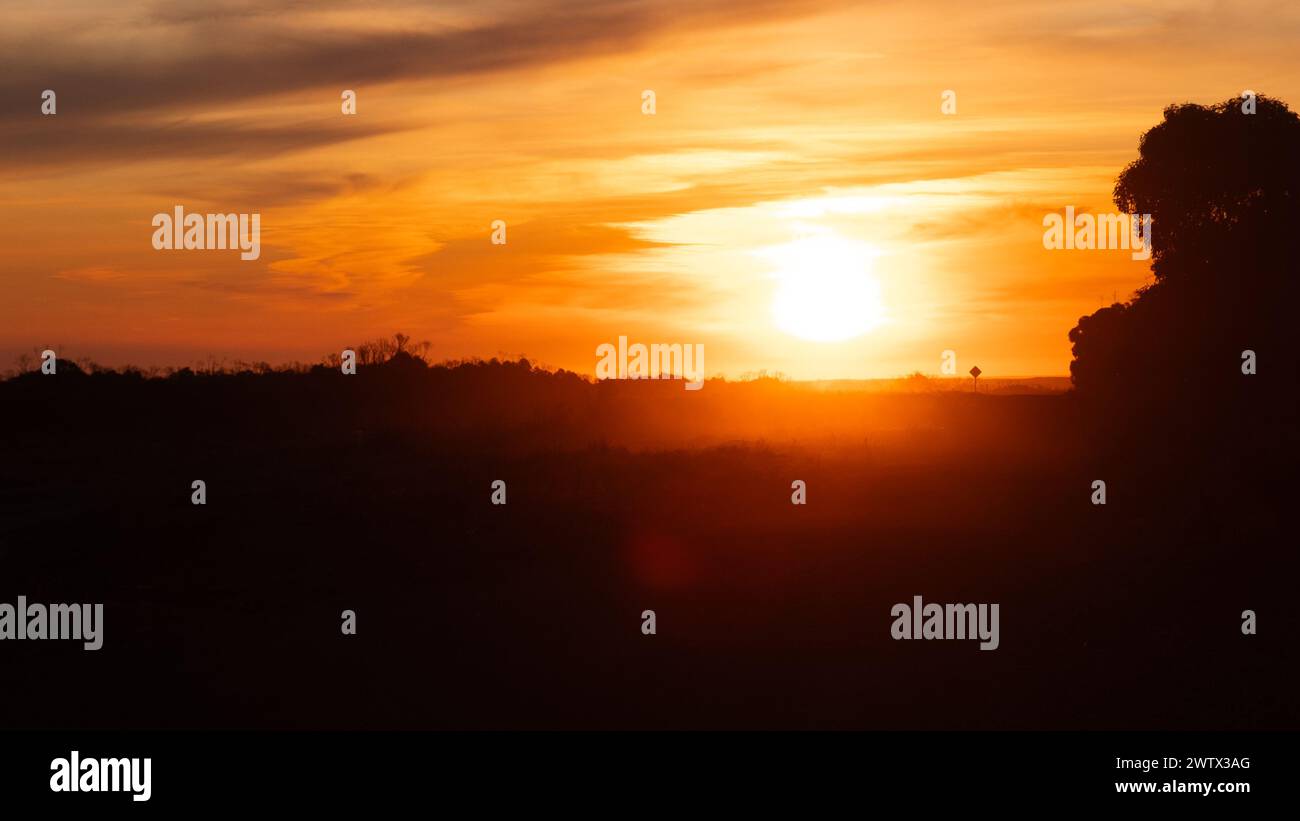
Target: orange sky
[{"x": 790, "y": 138}]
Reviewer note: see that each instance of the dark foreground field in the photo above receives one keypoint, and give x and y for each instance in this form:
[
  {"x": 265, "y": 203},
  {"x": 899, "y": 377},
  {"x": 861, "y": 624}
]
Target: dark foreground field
[{"x": 374, "y": 495}]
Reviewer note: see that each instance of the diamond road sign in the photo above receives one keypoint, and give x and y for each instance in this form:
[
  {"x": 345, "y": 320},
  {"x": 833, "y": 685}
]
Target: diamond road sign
[{"x": 975, "y": 372}]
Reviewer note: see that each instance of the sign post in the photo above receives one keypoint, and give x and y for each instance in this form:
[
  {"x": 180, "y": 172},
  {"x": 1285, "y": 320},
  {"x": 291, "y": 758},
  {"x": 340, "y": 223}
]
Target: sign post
[{"x": 975, "y": 372}]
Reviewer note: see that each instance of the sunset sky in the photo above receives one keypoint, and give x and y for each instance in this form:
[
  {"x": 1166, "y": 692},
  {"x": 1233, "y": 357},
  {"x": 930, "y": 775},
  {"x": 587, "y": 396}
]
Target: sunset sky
[{"x": 793, "y": 143}]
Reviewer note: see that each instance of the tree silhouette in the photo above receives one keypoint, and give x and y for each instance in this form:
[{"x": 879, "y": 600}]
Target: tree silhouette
[{"x": 1223, "y": 189}]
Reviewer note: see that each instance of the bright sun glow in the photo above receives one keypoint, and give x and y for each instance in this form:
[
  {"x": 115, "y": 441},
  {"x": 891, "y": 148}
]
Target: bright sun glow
[{"x": 825, "y": 290}]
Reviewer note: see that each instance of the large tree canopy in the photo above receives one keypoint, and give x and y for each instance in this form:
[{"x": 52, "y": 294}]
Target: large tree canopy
[{"x": 1223, "y": 189}]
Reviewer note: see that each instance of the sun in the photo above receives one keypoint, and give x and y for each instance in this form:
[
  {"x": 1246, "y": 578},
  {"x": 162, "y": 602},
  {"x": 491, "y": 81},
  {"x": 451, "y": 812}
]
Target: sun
[{"x": 825, "y": 289}]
